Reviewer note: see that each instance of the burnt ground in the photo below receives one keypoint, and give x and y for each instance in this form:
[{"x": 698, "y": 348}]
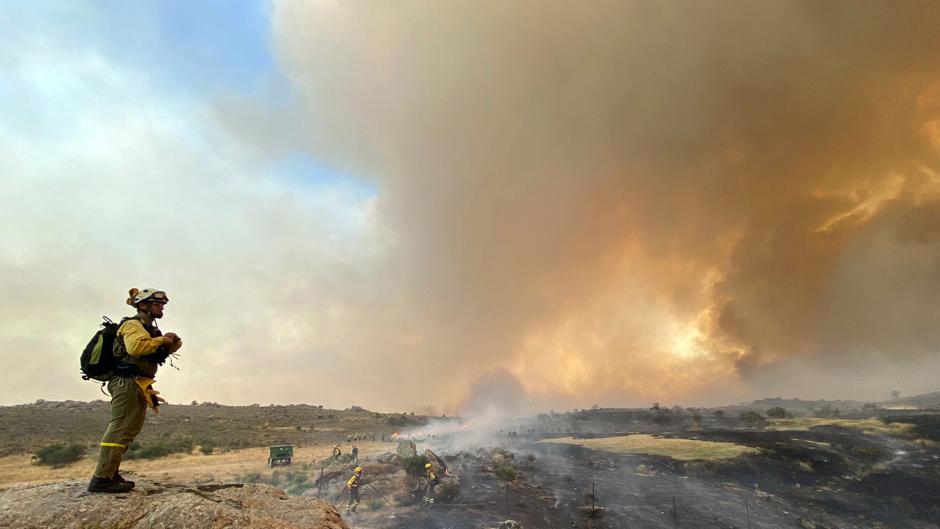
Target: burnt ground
[{"x": 825, "y": 477}]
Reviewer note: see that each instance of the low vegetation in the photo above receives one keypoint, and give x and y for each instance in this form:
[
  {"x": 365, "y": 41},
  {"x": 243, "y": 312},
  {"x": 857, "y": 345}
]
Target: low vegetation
[
  {"x": 292, "y": 481},
  {"x": 505, "y": 473},
  {"x": 681, "y": 449},
  {"x": 59, "y": 454},
  {"x": 415, "y": 465},
  {"x": 224, "y": 428},
  {"x": 159, "y": 448},
  {"x": 751, "y": 418},
  {"x": 869, "y": 426}
]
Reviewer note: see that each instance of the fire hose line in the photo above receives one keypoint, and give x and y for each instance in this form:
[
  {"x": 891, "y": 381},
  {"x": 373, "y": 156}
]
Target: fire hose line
[{"x": 380, "y": 494}]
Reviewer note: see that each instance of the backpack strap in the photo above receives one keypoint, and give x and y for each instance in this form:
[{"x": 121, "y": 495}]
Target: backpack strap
[{"x": 122, "y": 368}]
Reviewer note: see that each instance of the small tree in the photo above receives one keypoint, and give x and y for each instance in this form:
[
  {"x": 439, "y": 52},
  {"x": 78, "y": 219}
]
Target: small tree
[
  {"x": 895, "y": 393},
  {"x": 751, "y": 417},
  {"x": 415, "y": 465},
  {"x": 777, "y": 412},
  {"x": 207, "y": 446},
  {"x": 505, "y": 473}
]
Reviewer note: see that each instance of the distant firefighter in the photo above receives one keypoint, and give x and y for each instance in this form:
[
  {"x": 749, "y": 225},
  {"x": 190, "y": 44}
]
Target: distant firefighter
[
  {"x": 352, "y": 485},
  {"x": 432, "y": 481}
]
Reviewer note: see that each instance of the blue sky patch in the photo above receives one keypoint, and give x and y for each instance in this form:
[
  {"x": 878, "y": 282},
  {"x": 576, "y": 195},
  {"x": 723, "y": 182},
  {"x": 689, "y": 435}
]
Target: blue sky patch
[{"x": 302, "y": 170}]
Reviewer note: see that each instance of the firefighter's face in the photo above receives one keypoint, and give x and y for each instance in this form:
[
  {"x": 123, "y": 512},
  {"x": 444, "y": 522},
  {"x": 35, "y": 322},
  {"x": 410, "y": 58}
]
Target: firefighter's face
[{"x": 154, "y": 308}]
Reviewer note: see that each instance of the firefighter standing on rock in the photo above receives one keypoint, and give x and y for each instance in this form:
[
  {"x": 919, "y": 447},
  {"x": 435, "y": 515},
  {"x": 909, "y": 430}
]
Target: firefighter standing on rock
[{"x": 139, "y": 349}]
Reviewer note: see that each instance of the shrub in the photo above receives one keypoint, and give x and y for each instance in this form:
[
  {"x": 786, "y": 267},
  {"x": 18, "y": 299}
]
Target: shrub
[
  {"x": 298, "y": 489},
  {"x": 448, "y": 490},
  {"x": 399, "y": 420},
  {"x": 296, "y": 478},
  {"x": 59, "y": 454},
  {"x": 415, "y": 465},
  {"x": 207, "y": 446},
  {"x": 505, "y": 473},
  {"x": 375, "y": 504},
  {"x": 161, "y": 448},
  {"x": 777, "y": 412},
  {"x": 751, "y": 417},
  {"x": 251, "y": 477}
]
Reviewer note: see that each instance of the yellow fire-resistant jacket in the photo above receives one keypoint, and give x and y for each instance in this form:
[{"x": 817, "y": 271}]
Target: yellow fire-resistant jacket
[
  {"x": 138, "y": 343},
  {"x": 353, "y": 482}
]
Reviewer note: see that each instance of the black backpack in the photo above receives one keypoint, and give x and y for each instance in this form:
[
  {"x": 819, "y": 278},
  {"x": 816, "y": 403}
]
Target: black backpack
[{"x": 98, "y": 360}]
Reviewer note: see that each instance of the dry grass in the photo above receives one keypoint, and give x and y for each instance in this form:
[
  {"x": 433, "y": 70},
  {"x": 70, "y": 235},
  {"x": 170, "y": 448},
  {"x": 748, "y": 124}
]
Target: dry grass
[
  {"x": 18, "y": 469},
  {"x": 681, "y": 449},
  {"x": 869, "y": 426}
]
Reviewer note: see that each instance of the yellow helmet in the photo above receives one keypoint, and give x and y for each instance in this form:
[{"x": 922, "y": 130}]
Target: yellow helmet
[
  {"x": 358, "y": 470},
  {"x": 427, "y": 465}
]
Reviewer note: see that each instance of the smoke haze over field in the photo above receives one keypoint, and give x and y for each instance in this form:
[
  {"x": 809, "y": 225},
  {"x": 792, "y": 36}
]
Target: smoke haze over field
[{"x": 546, "y": 204}]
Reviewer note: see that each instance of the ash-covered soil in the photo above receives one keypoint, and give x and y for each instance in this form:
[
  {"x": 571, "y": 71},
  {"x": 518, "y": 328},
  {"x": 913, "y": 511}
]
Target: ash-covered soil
[{"x": 824, "y": 477}]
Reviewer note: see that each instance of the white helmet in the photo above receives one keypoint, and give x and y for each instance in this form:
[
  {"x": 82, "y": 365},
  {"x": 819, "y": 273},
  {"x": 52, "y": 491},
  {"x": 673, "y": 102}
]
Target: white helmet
[{"x": 151, "y": 294}]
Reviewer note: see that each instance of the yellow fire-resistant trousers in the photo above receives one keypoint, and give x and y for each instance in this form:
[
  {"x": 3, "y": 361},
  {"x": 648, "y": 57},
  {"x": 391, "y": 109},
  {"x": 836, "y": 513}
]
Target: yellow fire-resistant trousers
[{"x": 128, "y": 411}]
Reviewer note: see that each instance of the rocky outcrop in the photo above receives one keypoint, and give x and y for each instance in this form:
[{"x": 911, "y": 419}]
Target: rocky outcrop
[
  {"x": 155, "y": 505},
  {"x": 406, "y": 449}
]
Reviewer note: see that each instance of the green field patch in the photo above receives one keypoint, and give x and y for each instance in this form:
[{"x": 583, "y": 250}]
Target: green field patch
[{"x": 681, "y": 449}]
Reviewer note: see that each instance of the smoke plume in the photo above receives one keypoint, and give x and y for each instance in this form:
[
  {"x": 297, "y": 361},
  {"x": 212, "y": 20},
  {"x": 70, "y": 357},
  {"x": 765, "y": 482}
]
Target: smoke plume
[{"x": 625, "y": 201}]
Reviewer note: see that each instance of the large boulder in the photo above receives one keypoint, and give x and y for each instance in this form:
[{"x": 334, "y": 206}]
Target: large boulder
[
  {"x": 436, "y": 461},
  {"x": 155, "y": 505},
  {"x": 406, "y": 449}
]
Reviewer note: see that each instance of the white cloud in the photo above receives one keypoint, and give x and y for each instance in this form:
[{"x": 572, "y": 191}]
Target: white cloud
[{"x": 111, "y": 182}]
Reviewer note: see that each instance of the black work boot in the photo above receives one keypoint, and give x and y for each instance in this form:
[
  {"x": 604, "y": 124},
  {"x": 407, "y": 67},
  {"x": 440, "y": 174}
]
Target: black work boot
[
  {"x": 108, "y": 485},
  {"x": 120, "y": 479}
]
